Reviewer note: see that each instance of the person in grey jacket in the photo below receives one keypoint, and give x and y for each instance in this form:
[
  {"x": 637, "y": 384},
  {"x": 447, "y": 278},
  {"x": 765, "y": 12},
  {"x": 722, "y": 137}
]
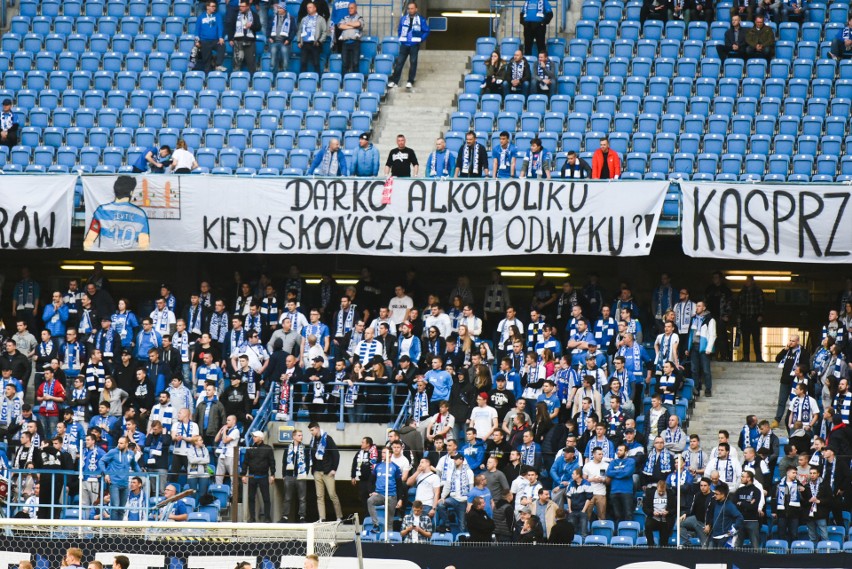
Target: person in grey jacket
[
  {"x": 313, "y": 29},
  {"x": 543, "y": 76},
  {"x": 366, "y": 163}
]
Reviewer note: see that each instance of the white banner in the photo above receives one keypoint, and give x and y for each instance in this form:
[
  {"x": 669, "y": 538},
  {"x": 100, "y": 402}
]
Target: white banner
[
  {"x": 36, "y": 211},
  {"x": 802, "y": 224},
  {"x": 413, "y": 217}
]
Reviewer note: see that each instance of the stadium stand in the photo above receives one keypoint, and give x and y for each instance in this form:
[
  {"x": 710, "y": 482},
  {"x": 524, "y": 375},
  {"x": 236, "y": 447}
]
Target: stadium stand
[
  {"x": 671, "y": 107},
  {"x": 94, "y": 85}
]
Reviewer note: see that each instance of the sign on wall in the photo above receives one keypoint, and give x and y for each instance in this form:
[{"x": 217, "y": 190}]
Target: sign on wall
[
  {"x": 805, "y": 224},
  {"x": 36, "y": 211},
  {"x": 411, "y": 218}
]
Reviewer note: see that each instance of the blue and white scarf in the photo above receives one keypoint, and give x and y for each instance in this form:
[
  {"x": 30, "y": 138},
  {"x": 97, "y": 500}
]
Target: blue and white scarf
[
  {"x": 195, "y": 319},
  {"x": 136, "y": 507},
  {"x": 253, "y": 323},
  {"x": 445, "y": 163},
  {"x": 10, "y": 410},
  {"x": 727, "y": 473},
  {"x": 46, "y": 349},
  {"x": 49, "y": 387},
  {"x": 95, "y": 377},
  {"x": 309, "y": 28},
  {"x": 673, "y": 436},
  {"x": 281, "y": 26},
  {"x": 667, "y": 381},
  {"x": 801, "y": 409},
  {"x": 319, "y": 451},
  {"x": 73, "y": 354},
  {"x": 665, "y": 458},
  {"x": 605, "y": 445},
  {"x": 7, "y": 120},
  {"x": 243, "y": 25},
  {"x": 219, "y": 327},
  {"x": 421, "y": 406},
  {"x": 410, "y": 25},
  {"x": 104, "y": 342},
  {"x": 460, "y": 483},
  {"x": 528, "y": 454},
  {"x": 79, "y": 410},
  {"x": 785, "y": 488},
  {"x": 665, "y": 349},
  {"x": 471, "y": 159},
  {"x": 345, "y": 321},
  {"x": 296, "y": 463}
]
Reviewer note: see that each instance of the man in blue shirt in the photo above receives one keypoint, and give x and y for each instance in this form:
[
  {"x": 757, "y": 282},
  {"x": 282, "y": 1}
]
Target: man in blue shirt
[
  {"x": 535, "y": 16},
  {"x": 387, "y": 481},
  {"x": 473, "y": 450},
  {"x": 146, "y": 339},
  {"x": 366, "y": 162},
  {"x": 119, "y": 225},
  {"x": 175, "y": 511},
  {"x": 155, "y": 158},
  {"x": 412, "y": 31},
  {"x": 620, "y": 472},
  {"x": 210, "y": 31},
  {"x": 441, "y": 381},
  {"x": 441, "y": 162},
  {"x": 117, "y": 465},
  {"x": 504, "y": 157}
]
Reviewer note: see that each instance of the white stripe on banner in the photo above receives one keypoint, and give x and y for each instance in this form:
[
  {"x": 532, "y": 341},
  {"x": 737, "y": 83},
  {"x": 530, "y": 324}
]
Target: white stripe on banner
[
  {"x": 412, "y": 217},
  {"x": 36, "y": 211},
  {"x": 803, "y": 224}
]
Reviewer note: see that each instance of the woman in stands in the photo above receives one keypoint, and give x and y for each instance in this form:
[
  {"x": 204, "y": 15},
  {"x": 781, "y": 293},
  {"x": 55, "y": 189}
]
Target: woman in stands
[
  {"x": 183, "y": 161},
  {"x": 495, "y": 70}
]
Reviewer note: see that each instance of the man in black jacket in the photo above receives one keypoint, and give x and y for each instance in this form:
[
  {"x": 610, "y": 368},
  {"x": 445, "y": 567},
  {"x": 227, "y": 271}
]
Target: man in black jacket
[
  {"x": 735, "y": 41},
  {"x": 478, "y": 524},
  {"x": 562, "y": 532},
  {"x": 836, "y": 475},
  {"x": 258, "y": 472},
  {"x": 694, "y": 521},
  {"x": 325, "y": 459},
  {"x": 660, "y": 507},
  {"x": 789, "y": 359},
  {"x": 748, "y": 499},
  {"x": 816, "y": 506}
]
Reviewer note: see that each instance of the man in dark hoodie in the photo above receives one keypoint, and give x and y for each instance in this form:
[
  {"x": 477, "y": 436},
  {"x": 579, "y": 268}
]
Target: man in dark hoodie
[
  {"x": 749, "y": 500},
  {"x": 724, "y": 520}
]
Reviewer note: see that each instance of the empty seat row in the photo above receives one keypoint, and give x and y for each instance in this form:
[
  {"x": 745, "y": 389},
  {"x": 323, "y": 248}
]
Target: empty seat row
[
  {"x": 94, "y": 8},
  {"x": 195, "y": 81},
  {"x": 67, "y": 25}
]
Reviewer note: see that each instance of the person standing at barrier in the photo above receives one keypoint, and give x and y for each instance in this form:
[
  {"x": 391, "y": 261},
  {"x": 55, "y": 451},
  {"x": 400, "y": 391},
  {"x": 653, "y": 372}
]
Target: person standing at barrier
[
  {"x": 325, "y": 459},
  {"x": 295, "y": 468},
  {"x": 117, "y": 465},
  {"x": 242, "y": 38},
  {"x": 387, "y": 491},
  {"x": 258, "y": 471}
]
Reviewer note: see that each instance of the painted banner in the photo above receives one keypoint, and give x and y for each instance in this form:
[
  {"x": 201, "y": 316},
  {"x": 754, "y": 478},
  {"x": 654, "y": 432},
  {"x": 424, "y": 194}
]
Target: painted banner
[
  {"x": 36, "y": 211},
  {"x": 803, "y": 224},
  {"x": 370, "y": 217}
]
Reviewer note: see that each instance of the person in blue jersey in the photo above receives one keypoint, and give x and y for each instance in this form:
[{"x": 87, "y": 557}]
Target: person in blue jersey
[
  {"x": 504, "y": 157},
  {"x": 538, "y": 162},
  {"x": 413, "y": 31},
  {"x": 119, "y": 225},
  {"x": 535, "y": 16}
]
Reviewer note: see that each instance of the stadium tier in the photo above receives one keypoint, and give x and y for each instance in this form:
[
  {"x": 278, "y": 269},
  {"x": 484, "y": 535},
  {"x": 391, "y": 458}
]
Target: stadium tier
[
  {"x": 671, "y": 107},
  {"x": 96, "y": 85}
]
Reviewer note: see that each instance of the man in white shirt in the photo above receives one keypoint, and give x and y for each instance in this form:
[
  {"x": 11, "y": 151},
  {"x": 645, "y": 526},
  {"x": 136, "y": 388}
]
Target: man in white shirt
[
  {"x": 595, "y": 472},
  {"x": 469, "y": 319},
  {"x": 666, "y": 347},
  {"x": 504, "y": 329},
  {"x": 728, "y": 467},
  {"x": 182, "y": 434},
  {"x": 802, "y": 408},
  {"x": 684, "y": 310},
  {"x": 525, "y": 488},
  {"x": 399, "y": 306},
  {"x": 383, "y": 318},
  {"x": 454, "y": 494},
  {"x": 427, "y": 486},
  {"x": 227, "y": 440},
  {"x": 483, "y": 418},
  {"x": 163, "y": 318},
  {"x": 440, "y": 320}
]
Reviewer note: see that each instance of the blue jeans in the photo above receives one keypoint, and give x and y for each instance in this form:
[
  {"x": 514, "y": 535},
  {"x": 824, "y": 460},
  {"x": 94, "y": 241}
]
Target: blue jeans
[
  {"x": 701, "y": 369},
  {"x": 441, "y": 517},
  {"x": 817, "y": 529},
  {"x": 49, "y": 423},
  {"x": 279, "y": 56},
  {"x": 580, "y": 521},
  {"x": 522, "y": 89},
  {"x": 200, "y": 485},
  {"x": 117, "y": 499},
  {"x": 410, "y": 52}
]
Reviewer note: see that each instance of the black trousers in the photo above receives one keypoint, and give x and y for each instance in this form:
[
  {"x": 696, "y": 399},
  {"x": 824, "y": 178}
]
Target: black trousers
[
  {"x": 665, "y": 529},
  {"x": 750, "y": 329},
  {"x": 310, "y": 55},
  {"x": 179, "y": 464},
  {"x": 534, "y": 32},
  {"x": 351, "y": 55},
  {"x": 208, "y": 59},
  {"x": 255, "y": 484}
]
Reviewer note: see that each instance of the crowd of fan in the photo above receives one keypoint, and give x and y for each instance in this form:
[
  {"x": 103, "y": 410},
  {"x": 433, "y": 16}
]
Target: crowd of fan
[{"x": 537, "y": 419}]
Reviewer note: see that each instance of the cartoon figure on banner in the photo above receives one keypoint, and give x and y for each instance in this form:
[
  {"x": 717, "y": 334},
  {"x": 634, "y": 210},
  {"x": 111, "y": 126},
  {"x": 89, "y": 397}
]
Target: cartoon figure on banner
[{"x": 122, "y": 225}]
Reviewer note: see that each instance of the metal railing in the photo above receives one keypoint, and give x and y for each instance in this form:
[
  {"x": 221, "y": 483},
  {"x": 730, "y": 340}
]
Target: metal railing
[
  {"x": 263, "y": 414},
  {"x": 375, "y": 403},
  {"x": 22, "y": 486}
]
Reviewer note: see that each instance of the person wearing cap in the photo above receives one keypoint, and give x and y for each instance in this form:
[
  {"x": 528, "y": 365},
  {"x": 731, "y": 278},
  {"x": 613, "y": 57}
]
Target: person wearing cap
[
  {"x": 258, "y": 471},
  {"x": 282, "y": 31},
  {"x": 454, "y": 494},
  {"x": 174, "y": 511},
  {"x": 8, "y": 125},
  {"x": 561, "y": 473},
  {"x": 119, "y": 225},
  {"x": 366, "y": 160},
  {"x": 483, "y": 418}
]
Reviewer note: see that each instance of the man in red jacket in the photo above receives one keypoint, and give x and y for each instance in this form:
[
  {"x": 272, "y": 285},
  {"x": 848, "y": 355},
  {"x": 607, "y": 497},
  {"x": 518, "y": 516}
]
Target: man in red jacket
[{"x": 606, "y": 164}]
